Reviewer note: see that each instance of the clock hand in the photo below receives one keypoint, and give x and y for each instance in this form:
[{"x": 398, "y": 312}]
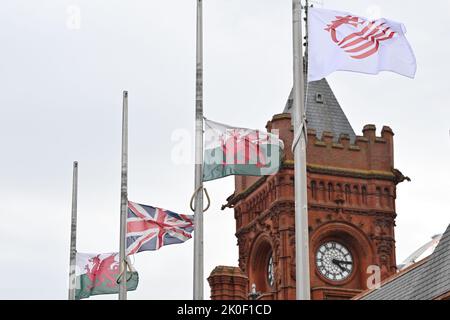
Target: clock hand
[
  {"x": 336, "y": 262},
  {"x": 342, "y": 261}
]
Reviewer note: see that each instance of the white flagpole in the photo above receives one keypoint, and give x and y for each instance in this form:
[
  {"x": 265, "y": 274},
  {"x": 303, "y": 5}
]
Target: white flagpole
[
  {"x": 198, "y": 216},
  {"x": 73, "y": 233},
  {"x": 299, "y": 147},
  {"x": 124, "y": 200}
]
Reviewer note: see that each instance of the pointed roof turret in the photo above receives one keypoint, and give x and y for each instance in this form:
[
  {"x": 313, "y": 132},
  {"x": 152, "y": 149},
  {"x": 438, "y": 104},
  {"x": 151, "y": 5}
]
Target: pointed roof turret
[{"x": 323, "y": 112}]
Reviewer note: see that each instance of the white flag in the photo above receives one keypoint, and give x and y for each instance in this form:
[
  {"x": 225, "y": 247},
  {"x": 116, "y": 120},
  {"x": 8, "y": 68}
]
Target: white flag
[{"x": 340, "y": 41}]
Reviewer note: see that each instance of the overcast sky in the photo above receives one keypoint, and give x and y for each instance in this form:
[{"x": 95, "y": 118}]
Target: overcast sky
[{"x": 60, "y": 100}]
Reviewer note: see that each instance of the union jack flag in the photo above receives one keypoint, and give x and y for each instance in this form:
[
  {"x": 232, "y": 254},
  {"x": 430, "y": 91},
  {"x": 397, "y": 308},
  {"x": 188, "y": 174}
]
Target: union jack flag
[{"x": 150, "y": 228}]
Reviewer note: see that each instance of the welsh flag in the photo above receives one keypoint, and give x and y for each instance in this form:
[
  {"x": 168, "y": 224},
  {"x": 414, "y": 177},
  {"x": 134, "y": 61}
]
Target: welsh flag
[
  {"x": 239, "y": 151},
  {"x": 98, "y": 274}
]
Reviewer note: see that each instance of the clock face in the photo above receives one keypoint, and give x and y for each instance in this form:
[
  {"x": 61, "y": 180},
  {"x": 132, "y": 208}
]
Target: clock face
[
  {"x": 334, "y": 261},
  {"x": 270, "y": 272}
]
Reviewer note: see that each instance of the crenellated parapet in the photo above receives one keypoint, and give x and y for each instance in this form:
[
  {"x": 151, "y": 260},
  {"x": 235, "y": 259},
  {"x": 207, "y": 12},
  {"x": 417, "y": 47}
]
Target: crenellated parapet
[{"x": 367, "y": 152}]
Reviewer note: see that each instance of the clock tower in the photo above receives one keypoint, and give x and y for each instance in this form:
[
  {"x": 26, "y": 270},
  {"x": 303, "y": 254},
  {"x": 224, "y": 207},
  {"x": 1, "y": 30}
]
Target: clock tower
[{"x": 351, "y": 205}]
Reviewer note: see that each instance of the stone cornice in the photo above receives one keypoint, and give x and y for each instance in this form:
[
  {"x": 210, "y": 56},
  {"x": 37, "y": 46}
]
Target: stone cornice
[
  {"x": 354, "y": 211},
  {"x": 345, "y": 172}
]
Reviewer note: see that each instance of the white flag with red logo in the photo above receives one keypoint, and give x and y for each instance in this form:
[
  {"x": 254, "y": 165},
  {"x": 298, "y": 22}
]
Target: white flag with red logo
[{"x": 340, "y": 41}]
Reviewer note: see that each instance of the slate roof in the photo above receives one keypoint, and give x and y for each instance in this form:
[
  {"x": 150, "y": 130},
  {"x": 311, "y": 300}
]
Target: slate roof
[
  {"x": 326, "y": 116},
  {"x": 425, "y": 280}
]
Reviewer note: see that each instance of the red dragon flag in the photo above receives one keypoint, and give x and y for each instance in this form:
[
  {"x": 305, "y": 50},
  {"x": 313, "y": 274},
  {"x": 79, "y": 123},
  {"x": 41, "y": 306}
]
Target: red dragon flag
[
  {"x": 99, "y": 274},
  {"x": 340, "y": 41},
  {"x": 239, "y": 151}
]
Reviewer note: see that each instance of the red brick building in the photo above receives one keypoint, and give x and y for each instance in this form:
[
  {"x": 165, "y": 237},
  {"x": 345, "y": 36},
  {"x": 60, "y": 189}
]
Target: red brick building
[{"x": 351, "y": 199}]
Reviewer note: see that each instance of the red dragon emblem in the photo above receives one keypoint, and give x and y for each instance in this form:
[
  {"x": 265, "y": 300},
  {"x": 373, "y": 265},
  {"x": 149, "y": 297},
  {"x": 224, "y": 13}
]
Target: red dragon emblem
[
  {"x": 247, "y": 145},
  {"x": 102, "y": 271},
  {"x": 365, "y": 41}
]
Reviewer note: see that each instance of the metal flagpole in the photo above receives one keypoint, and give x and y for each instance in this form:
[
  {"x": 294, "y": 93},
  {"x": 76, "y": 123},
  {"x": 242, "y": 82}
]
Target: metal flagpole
[
  {"x": 198, "y": 217},
  {"x": 306, "y": 43},
  {"x": 73, "y": 233},
  {"x": 299, "y": 148},
  {"x": 124, "y": 200}
]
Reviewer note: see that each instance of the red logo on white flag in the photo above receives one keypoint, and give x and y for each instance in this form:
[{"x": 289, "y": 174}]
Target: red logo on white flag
[{"x": 365, "y": 41}]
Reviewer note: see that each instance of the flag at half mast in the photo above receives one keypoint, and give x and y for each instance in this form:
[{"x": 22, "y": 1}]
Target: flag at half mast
[
  {"x": 149, "y": 228},
  {"x": 100, "y": 274},
  {"x": 239, "y": 151}
]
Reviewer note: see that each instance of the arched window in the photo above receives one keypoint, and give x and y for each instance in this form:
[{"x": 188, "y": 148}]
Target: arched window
[
  {"x": 348, "y": 194},
  {"x": 387, "y": 195},
  {"x": 262, "y": 266},
  {"x": 356, "y": 195},
  {"x": 379, "y": 197},
  {"x": 314, "y": 190},
  {"x": 330, "y": 192},
  {"x": 322, "y": 191},
  {"x": 364, "y": 194}
]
